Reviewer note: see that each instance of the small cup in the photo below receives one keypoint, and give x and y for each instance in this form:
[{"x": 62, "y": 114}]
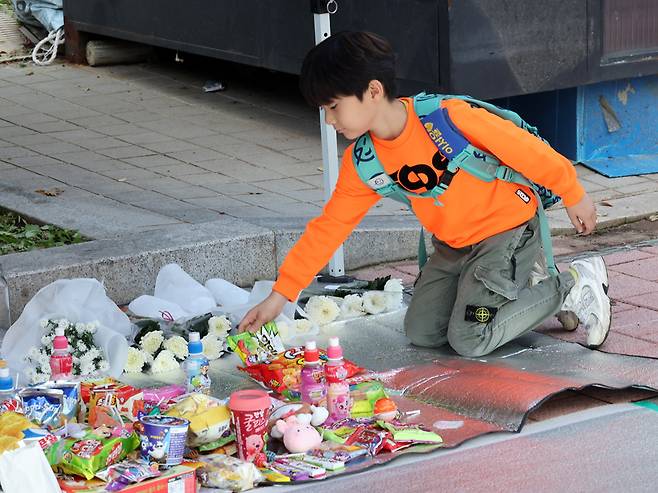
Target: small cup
[{"x": 250, "y": 410}]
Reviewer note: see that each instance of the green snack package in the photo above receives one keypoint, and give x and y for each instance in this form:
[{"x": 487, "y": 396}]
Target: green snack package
[
  {"x": 364, "y": 396},
  {"x": 90, "y": 454},
  {"x": 254, "y": 347},
  {"x": 410, "y": 433}
]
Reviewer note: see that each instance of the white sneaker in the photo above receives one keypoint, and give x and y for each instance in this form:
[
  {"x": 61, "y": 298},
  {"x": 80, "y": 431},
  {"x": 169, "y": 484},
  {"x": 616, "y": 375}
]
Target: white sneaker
[
  {"x": 539, "y": 272},
  {"x": 588, "y": 299}
]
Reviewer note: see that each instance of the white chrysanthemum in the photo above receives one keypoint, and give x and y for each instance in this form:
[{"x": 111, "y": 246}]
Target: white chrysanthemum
[
  {"x": 63, "y": 323},
  {"x": 34, "y": 377},
  {"x": 47, "y": 340},
  {"x": 135, "y": 361},
  {"x": 393, "y": 300},
  {"x": 44, "y": 363},
  {"x": 103, "y": 366},
  {"x": 322, "y": 310},
  {"x": 219, "y": 326},
  {"x": 165, "y": 361},
  {"x": 148, "y": 357},
  {"x": 87, "y": 367},
  {"x": 352, "y": 306},
  {"x": 394, "y": 285},
  {"x": 76, "y": 360},
  {"x": 33, "y": 354},
  {"x": 151, "y": 342},
  {"x": 43, "y": 323},
  {"x": 178, "y": 346},
  {"x": 213, "y": 348},
  {"x": 303, "y": 326},
  {"x": 284, "y": 330},
  {"x": 375, "y": 302},
  {"x": 80, "y": 328},
  {"x": 92, "y": 326},
  {"x": 81, "y": 346}
]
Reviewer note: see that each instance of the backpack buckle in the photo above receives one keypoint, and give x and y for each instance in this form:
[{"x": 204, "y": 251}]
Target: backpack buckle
[{"x": 504, "y": 173}]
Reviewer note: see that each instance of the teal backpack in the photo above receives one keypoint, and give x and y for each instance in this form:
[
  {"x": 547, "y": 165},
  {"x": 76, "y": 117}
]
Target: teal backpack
[{"x": 460, "y": 154}]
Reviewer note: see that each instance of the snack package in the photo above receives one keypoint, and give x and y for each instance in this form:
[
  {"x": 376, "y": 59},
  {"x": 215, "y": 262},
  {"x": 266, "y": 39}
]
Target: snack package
[
  {"x": 406, "y": 432},
  {"x": 161, "y": 398},
  {"x": 120, "y": 475},
  {"x": 210, "y": 420},
  {"x": 87, "y": 385},
  {"x": 254, "y": 347},
  {"x": 127, "y": 400},
  {"x": 44, "y": 407},
  {"x": 90, "y": 454},
  {"x": 364, "y": 397},
  {"x": 228, "y": 473},
  {"x": 12, "y": 430},
  {"x": 282, "y": 373}
]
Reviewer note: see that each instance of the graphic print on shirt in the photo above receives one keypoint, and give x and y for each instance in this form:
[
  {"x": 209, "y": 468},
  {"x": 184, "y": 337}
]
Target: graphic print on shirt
[{"x": 420, "y": 177}]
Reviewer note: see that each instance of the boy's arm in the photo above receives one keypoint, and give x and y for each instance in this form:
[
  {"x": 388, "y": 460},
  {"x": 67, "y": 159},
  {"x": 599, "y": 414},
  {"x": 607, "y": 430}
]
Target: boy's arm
[
  {"x": 525, "y": 153},
  {"x": 518, "y": 149},
  {"x": 348, "y": 204}
]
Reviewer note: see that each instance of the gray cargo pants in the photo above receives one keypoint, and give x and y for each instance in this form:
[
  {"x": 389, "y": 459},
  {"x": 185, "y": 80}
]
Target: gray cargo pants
[{"x": 477, "y": 298}]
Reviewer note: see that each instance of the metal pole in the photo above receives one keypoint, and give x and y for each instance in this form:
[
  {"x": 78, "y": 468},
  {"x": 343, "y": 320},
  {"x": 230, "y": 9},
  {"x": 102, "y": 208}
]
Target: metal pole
[{"x": 322, "y": 9}]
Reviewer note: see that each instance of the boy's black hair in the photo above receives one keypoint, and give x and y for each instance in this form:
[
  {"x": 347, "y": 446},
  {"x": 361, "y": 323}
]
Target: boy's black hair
[{"x": 344, "y": 64}]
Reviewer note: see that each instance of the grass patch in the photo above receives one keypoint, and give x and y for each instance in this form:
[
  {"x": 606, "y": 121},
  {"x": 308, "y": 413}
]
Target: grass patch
[{"x": 18, "y": 234}]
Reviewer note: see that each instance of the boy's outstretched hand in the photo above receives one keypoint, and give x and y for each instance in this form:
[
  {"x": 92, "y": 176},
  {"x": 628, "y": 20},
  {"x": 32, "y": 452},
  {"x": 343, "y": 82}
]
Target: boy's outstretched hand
[
  {"x": 583, "y": 215},
  {"x": 266, "y": 311}
]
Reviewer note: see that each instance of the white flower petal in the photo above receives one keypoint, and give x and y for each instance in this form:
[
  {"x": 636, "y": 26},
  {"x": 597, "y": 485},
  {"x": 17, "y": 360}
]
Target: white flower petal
[
  {"x": 152, "y": 341},
  {"x": 178, "y": 346},
  {"x": 322, "y": 310},
  {"x": 375, "y": 302},
  {"x": 394, "y": 285}
]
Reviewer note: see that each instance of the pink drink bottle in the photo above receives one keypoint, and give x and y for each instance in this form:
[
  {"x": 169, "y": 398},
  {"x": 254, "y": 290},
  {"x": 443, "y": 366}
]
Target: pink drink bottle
[
  {"x": 313, "y": 383},
  {"x": 339, "y": 402},
  {"x": 61, "y": 361}
]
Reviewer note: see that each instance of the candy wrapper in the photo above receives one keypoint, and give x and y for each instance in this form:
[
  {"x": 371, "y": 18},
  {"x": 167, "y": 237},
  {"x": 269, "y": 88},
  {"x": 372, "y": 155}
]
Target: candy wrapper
[
  {"x": 45, "y": 407},
  {"x": 282, "y": 373},
  {"x": 364, "y": 397},
  {"x": 209, "y": 419},
  {"x": 127, "y": 400},
  {"x": 228, "y": 473},
  {"x": 254, "y": 347},
  {"x": 90, "y": 454},
  {"x": 118, "y": 476}
]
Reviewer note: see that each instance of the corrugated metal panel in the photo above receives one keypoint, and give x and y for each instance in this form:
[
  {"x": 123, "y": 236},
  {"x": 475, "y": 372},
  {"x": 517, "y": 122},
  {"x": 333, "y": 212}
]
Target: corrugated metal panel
[{"x": 630, "y": 28}]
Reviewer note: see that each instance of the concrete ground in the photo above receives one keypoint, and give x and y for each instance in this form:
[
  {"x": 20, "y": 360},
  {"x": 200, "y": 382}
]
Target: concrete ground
[{"x": 129, "y": 153}]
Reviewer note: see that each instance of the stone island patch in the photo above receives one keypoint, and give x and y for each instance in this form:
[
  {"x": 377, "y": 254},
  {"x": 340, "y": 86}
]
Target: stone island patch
[{"x": 480, "y": 314}]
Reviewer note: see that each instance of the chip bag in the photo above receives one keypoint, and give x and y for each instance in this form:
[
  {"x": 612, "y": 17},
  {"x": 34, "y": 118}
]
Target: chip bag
[
  {"x": 254, "y": 347},
  {"x": 90, "y": 454},
  {"x": 282, "y": 373}
]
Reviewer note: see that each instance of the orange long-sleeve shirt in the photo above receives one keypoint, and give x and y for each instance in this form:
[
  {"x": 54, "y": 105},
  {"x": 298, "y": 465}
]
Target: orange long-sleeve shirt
[{"x": 473, "y": 209}]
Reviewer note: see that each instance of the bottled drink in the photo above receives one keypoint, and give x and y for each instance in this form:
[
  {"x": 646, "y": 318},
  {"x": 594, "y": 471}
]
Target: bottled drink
[
  {"x": 339, "y": 403},
  {"x": 313, "y": 383},
  {"x": 5, "y": 315},
  {"x": 61, "y": 361},
  {"x": 8, "y": 400},
  {"x": 196, "y": 366}
]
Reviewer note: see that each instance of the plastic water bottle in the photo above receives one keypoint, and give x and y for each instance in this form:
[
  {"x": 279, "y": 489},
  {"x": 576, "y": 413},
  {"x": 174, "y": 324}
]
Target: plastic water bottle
[
  {"x": 339, "y": 402},
  {"x": 5, "y": 314},
  {"x": 196, "y": 366},
  {"x": 61, "y": 361},
  {"x": 313, "y": 383},
  {"x": 8, "y": 400}
]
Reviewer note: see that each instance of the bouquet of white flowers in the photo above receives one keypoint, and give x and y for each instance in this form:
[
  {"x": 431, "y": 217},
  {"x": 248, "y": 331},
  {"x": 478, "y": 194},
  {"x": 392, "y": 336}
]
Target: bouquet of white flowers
[
  {"x": 162, "y": 351},
  {"x": 88, "y": 360}
]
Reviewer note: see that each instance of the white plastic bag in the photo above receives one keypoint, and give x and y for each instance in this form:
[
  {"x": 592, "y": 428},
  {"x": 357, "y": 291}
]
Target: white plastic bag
[
  {"x": 226, "y": 294},
  {"x": 175, "y": 285},
  {"x": 27, "y": 469},
  {"x": 77, "y": 300},
  {"x": 157, "y": 308}
]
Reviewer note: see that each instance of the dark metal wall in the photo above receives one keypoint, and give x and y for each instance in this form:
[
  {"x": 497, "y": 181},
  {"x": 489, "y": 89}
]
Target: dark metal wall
[{"x": 487, "y": 48}]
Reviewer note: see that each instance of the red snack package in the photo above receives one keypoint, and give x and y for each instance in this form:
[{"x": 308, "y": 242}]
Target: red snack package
[{"x": 282, "y": 373}]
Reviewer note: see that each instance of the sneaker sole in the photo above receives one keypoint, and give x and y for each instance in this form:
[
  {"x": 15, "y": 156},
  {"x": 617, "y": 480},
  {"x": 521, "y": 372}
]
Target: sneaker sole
[{"x": 606, "y": 286}]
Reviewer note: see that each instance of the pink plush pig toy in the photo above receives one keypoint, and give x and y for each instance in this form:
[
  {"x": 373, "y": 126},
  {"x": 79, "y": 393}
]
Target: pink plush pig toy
[{"x": 299, "y": 436}]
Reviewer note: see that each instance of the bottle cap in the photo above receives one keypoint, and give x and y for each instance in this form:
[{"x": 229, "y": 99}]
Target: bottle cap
[
  {"x": 311, "y": 353},
  {"x": 60, "y": 341},
  {"x": 334, "y": 351},
  {"x": 194, "y": 346},
  {"x": 6, "y": 382}
]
